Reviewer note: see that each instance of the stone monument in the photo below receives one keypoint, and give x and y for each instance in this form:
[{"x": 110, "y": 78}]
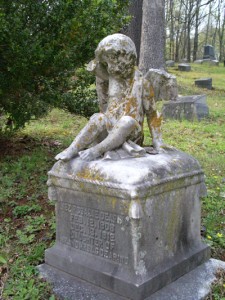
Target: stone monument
[
  {"x": 209, "y": 52},
  {"x": 128, "y": 217}
]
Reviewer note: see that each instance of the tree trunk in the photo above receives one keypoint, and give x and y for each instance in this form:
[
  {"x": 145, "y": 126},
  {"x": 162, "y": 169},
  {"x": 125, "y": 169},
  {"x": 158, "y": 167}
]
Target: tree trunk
[
  {"x": 134, "y": 28},
  {"x": 208, "y": 24},
  {"x": 221, "y": 31},
  {"x": 195, "y": 48},
  {"x": 171, "y": 29},
  {"x": 153, "y": 35},
  {"x": 178, "y": 35}
]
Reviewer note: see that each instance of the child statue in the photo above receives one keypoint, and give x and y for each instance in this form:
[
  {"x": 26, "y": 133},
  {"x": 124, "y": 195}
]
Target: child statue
[{"x": 125, "y": 97}]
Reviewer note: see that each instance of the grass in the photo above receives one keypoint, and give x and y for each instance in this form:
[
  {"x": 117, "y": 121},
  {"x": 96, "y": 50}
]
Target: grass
[{"x": 27, "y": 217}]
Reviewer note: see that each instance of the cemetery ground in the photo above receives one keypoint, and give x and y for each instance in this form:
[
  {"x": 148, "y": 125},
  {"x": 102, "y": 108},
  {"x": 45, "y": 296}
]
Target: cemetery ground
[{"x": 27, "y": 217}]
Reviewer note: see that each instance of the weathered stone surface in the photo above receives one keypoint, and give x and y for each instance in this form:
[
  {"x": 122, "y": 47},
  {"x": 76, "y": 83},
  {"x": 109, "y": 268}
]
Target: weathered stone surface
[
  {"x": 125, "y": 97},
  {"x": 209, "y": 52},
  {"x": 198, "y": 61},
  {"x": 214, "y": 62},
  {"x": 194, "y": 285},
  {"x": 204, "y": 83},
  {"x": 184, "y": 67},
  {"x": 164, "y": 84},
  {"x": 129, "y": 226},
  {"x": 186, "y": 107},
  {"x": 211, "y": 62},
  {"x": 170, "y": 63}
]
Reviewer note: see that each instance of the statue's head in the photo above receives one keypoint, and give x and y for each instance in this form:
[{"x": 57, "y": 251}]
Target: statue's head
[{"x": 117, "y": 53}]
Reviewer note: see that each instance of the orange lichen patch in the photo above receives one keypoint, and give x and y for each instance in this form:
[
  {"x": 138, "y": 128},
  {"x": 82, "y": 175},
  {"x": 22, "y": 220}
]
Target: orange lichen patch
[
  {"x": 91, "y": 174},
  {"x": 155, "y": 120},
  {"x": 131, "y": 105},
  {"x": 152, "y": 94}
]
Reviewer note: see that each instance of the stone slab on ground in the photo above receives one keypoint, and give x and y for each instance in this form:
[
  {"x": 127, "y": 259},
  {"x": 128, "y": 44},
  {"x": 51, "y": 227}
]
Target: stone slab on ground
[
  {"x": 184, "y": 67},
  {"x": 195, "y": 285},
  {"x": 170, "y": 63},
  {"x": 186, "y": 107},
  {"x": 213, "y": 62},
  {"x": 198, "y": 61}
]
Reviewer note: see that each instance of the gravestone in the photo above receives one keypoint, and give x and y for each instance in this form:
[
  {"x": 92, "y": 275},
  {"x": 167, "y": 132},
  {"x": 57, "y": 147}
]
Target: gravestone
[
  {"x": 127, "y": 217},
  {"x": 209, "y": 52},
  {"x": 130, "y": 227},
  {"x": 186, "y": 107},
  {"x": 184, "y": 67},
  {"x": 170, "y": 63},
  {"x": 204, "y": 83}
]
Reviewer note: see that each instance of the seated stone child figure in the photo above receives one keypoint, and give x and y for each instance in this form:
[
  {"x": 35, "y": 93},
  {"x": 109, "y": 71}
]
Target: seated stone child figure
[{"x": 125, "y": 96}]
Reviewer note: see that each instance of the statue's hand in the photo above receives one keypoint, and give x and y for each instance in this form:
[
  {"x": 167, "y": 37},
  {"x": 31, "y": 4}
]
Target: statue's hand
[
  {"x": 66, "y": 154},
  {"x": 89, "y": 154},
  {"x": 91, "y": 66},
  {"x": 98, "y": 69}
]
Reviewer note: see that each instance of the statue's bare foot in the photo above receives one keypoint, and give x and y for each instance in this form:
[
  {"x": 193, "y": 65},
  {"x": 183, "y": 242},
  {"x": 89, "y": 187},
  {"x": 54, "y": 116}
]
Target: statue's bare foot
[
  {"x": 166, "y": 147},
  {"x": 89, "y": 154},
  {"x": 66, "y": 154}
]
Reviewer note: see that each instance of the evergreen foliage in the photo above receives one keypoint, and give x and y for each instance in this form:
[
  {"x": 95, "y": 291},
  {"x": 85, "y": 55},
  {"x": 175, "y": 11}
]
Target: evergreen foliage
[{"x": 42, "y": 43}]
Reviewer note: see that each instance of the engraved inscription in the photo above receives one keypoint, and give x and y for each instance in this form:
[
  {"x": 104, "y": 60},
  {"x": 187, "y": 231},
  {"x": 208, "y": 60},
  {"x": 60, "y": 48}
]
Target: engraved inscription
[{"x": 93, "y": 231}]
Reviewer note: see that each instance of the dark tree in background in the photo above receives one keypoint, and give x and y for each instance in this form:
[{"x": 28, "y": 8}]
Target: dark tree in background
[
  {"x": 134, "y": 28},
  {"x": 42, "y": 43}
]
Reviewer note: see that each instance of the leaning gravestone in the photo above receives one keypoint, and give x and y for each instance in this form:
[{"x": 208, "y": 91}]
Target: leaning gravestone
[
  {"x": 204, "y": 83},
  {"x": 190, "y": 108},
  {"x": 128, "y": 217}
]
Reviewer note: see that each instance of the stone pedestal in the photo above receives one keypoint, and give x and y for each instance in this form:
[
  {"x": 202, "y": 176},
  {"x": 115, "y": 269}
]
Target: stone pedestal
[
  {"x": 186, "y": 107},
  {"x": 130, "y": 226}
]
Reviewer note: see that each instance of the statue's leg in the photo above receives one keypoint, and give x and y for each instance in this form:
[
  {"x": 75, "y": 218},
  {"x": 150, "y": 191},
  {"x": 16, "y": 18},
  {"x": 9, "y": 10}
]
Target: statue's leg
[
  {"x": 95, "y": 126},
  {"x": 119, "y": 134}
]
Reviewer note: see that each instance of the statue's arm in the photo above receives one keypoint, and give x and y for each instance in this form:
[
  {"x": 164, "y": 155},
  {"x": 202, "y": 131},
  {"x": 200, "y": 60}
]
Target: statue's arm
[
  {"x": 154, "y": 118},
  {"x": 102, "y": 87},
  {"x": 102, "y": 83}
]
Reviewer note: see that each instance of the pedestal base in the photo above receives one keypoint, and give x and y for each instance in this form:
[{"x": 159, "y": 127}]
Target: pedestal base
[
  {"x": 130, "y": 226},
  {"x": 195, "y": 285}
]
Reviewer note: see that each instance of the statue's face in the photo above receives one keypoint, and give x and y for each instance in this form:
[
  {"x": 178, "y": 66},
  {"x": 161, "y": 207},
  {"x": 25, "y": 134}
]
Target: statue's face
[
  {"x": 118, "y": 55},
  {"x": 117, "y": 63}
]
